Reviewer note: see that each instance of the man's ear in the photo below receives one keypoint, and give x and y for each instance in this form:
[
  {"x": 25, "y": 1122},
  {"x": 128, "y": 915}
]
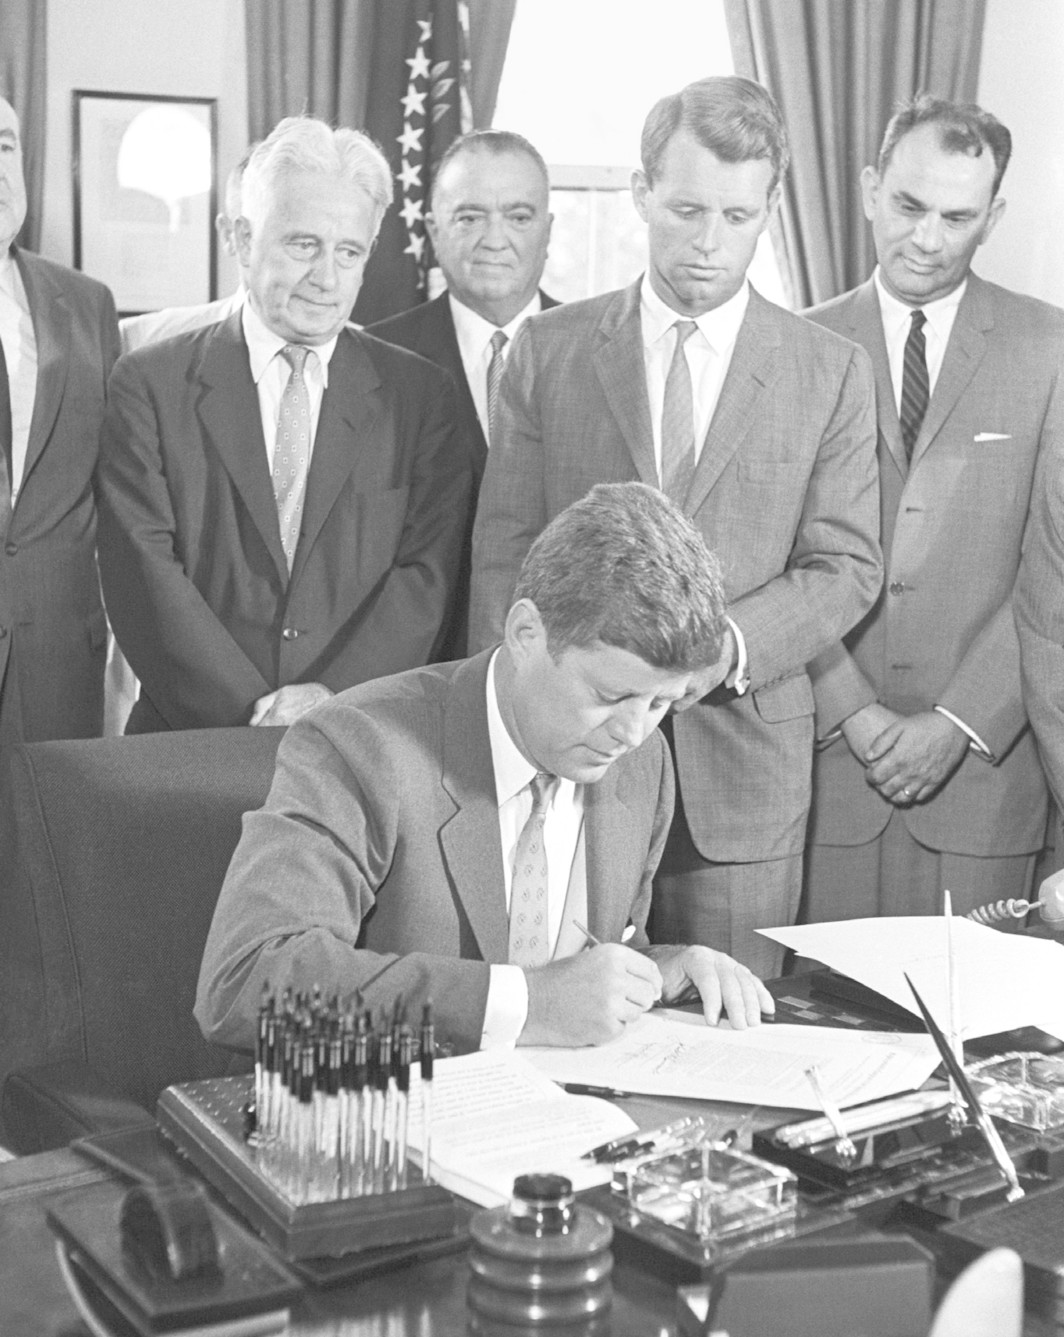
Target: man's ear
[
  {"x": 997, "y": 210},
  {"x": 242, "y": 239},
  {"x": 869, "y": 191},
  {"x": 640, "y": 191},
  {"x": 523, "y": 632}
]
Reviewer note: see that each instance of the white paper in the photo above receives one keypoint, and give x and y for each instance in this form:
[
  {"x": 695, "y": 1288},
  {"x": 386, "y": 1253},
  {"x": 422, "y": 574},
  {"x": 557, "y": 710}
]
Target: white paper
[
  {"x": 494, "y": 1117},
  {"x": 1004, "y": 980},
  {"x": 676, "y": 1054}
]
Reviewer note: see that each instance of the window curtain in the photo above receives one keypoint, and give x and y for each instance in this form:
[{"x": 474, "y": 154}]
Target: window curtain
[
  {"x": 838, "y": 69},
  {"x": 412, "y": 73},
  {"x": 23, "y": 26}
]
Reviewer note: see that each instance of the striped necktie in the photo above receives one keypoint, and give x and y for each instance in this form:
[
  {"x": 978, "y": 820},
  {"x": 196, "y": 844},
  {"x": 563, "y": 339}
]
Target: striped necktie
[
  {"x": 495, "y": 368},
  {"x": 915, "y": 384}
]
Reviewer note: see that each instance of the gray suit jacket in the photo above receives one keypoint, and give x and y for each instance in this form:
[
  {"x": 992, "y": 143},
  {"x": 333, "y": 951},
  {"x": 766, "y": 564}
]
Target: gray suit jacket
[
  {"x": 942, "y": 631},
  {"x": 784, "y": 492},
  {"x": 377, "y": 864},
  {"x": 53, "y": 634}
]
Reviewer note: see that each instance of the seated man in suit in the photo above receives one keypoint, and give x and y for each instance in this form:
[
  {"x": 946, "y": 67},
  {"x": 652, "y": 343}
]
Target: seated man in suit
[
  {"x": 447, "y": 832},
  {"x": 490, "y": 226},
  {"x": 282, "y": 498}
]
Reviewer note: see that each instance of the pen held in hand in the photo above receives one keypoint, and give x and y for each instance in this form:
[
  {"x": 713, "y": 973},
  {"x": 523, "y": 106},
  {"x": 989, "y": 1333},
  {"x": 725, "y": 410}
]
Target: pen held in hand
[{"x": 603, "y": 1092}]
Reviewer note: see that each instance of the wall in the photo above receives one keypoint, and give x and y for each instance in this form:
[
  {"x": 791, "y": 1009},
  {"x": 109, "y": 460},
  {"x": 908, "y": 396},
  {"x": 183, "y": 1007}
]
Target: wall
[
  {"x": 1020, "y": 82},
  {"x": 194, "y": 48}
]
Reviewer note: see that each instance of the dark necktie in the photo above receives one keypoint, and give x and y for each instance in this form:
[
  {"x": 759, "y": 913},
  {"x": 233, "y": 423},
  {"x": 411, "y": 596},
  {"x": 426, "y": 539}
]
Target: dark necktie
[
  {"x": 6, "y": 444},
  {"x": 529, "y": 930},
  {"x": 915, "y": 385},
  {"x": 678, "y": 421},
  {"x": 495, "y": 368}
]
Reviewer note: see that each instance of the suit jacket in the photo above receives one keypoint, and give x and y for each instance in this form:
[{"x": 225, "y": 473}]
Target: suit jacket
[
  {"x": 53, "y": 634},
  {"x": 377, "y": 864},
  {"x": 942, "y": 631},
  {"x": 194, "y": 575},
  {"x": 429, "y": 330},
  {"x": 784, "y": 492}
]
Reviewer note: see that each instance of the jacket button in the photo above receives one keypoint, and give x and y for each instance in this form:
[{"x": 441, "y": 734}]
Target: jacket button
[
  {"x": 3, "y": 633},
  {"x": 290, "y": 633},
  {"x": 11, "y": 549},
  {"x": 897, "y": 587}
]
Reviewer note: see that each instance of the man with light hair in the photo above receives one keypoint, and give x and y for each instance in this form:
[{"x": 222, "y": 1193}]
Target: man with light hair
[{"x": 282, "y": 498}]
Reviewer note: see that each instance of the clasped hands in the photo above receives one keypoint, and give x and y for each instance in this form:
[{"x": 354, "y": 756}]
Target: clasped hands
[
  {"x": 907, "y": 758},
  {"x": 589, "y": 998}
]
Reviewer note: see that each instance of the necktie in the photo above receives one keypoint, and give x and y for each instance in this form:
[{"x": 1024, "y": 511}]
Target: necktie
[
  {"x": 677, "y": 422},
  {"x": 292, "y": 454},
  {"x": 495, "y": 366},
  {"x": 529, "y": 930},
  {"x": 6, "y": 444},
  {"x": 915, "y": 385}
]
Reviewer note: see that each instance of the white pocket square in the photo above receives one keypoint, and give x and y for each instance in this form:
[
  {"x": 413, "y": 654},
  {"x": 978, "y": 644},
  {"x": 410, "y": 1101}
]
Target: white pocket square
[{"x": 992, "y": 436}]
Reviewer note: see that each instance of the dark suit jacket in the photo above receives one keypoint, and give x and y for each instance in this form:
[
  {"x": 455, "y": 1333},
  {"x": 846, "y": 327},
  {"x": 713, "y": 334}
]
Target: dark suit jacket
[
  {"x": 784, "y": 492},
  {"x": 942, "y": 630},
  {"x": 429, "y": 330},
  {"x": 53, "y": 634},
  {"x": 194, "y": 575},
  {"x": 376, "y": 862}
]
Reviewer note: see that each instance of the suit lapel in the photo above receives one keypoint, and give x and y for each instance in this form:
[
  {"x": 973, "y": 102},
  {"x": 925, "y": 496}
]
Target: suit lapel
[
  {"x": 964, "y": 353},
  {"x": 613, "y": 849},
  {"x": 232, "y": 422},
  {"x": 51, "y": 319},
  {"x": 443, "y": 343},
  {"x": 866, "y": 329},
  {"x": 753, "y": 368},
  {"x": 620, "y": 367},
  {"x": 470, "y": 839}
]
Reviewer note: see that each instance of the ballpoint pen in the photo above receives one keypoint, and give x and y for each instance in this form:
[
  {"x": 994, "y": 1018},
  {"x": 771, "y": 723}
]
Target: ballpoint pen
[
  {"x": 592, "y": 940},
  {"x": 603, "y": 1092},
  {"x": 428, "y": 1054}
]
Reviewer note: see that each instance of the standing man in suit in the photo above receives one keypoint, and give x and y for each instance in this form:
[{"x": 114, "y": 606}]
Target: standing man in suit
[
  {"x": 445, "y": 833},
  {"x": 58, "y": 340},
  {"x": 927, "y": 776},
  {"x": 490, "y": 228},
  {"x": 761, "y": 426},
  {"x": 282, "y": 499}
]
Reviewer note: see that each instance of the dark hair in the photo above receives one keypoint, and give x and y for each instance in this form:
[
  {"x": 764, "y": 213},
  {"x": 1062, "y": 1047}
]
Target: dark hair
[
  {"x": 736, "y": 118},
  {"x": 493, "y": 142},
  {"x": 625, "y": 567},
  {"x": 962, "y": 128}
]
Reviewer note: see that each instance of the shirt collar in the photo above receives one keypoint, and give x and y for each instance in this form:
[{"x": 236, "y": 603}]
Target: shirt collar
[
  {"x": 513, "y": 770},
  {"x": 264, "y": 345},
  {"x": 720, "y": 326},
  {"x": 11, "y": 285},
  {"x": 474, "y": 332},
  {"x": 896, "y": 314}
]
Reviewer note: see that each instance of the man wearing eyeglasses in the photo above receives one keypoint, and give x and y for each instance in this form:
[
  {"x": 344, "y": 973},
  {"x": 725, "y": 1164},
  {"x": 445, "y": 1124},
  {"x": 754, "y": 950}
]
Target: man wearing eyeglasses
[{"x": 282, "y": 499}]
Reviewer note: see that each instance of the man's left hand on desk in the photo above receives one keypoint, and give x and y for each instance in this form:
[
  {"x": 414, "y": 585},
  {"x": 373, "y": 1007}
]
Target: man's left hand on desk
[{"x": 724, "y": 986}]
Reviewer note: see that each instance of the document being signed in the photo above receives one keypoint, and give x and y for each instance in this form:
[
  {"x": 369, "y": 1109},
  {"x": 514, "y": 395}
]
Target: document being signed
[{"x": 668, "y": 1053}]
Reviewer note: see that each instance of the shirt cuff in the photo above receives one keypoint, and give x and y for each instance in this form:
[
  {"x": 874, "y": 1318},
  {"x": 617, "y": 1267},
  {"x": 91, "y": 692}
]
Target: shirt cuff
[
  {"x": 974, "y": 741},
  {"x": 507, "y": 1007},
  {"x": 739, "y": 678}
]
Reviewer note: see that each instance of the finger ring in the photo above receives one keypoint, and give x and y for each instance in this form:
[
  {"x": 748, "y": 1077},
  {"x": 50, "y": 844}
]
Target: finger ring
[{"x": 905, "y": 792}]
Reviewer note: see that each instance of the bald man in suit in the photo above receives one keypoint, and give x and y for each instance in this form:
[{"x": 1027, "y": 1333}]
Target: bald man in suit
[
  {"x": 927, "y": 775},
  {"x": 59, "y": 338},
  {"x": 761, "y": 426}
]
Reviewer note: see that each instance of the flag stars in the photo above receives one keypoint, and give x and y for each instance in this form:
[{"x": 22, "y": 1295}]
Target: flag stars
[
  {"x": 414, "y": 102},
  {"x": 419, "y": 65}
]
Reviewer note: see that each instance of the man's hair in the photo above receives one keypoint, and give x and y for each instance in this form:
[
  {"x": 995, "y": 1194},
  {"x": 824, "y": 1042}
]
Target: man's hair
[
  {"x": 962, "y": 128},
  {"x": 736, "y": 118},
  {"x": 307, "y": 144},
  {"x": 231, "y": 196},
  {"x": 496, "y": 143},
  {"x": 625, "y": 567}
]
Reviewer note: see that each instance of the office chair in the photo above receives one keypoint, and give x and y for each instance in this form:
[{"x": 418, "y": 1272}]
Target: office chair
[{"x": 114, "y": 854}]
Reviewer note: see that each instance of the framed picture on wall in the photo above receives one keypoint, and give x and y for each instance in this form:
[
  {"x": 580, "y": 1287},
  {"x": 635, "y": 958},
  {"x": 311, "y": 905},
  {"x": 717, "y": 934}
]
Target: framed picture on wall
[{"x": 144, "y": 196}]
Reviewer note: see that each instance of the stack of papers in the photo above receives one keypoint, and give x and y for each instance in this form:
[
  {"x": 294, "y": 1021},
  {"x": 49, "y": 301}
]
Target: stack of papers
[{"x": 1004, "y": 980}]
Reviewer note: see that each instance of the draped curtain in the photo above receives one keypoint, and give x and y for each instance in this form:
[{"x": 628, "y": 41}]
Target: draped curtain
[
  {"x": 838, "y": 69},
  {"x": 23, "y": 25}
]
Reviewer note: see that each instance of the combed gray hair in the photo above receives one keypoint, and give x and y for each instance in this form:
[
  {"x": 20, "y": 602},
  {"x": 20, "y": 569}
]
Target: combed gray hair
[{"x": 307, "y": 144}]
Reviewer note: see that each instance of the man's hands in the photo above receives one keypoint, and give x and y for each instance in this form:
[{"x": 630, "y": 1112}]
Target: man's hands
[
  {"x": 704, "y": 680},
  {"x": 908, "y": 758},
  {"x": 287, "y": 704},
  {"x": 589, "y": 998}
]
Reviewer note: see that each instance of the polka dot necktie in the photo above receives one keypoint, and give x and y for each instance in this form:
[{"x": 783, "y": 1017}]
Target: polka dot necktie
[
  {"x": 529, "y": 931},
  {"x": 291, "y": 457}
]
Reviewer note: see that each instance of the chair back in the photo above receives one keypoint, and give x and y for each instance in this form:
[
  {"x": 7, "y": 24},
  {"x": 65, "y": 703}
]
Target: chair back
[{"x": 119, "y": 847}]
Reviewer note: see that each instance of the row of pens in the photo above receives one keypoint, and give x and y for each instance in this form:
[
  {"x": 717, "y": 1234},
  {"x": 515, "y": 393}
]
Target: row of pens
[{"x": 331, "y": 1116}]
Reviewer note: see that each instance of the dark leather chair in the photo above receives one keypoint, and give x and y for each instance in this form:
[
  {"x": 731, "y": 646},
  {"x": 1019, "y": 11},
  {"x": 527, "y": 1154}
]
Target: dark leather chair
[{"x": 113, "y": 854}]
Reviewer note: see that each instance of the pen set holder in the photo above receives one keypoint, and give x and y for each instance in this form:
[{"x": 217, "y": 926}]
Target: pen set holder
[{"x": 206, "y": 1122}]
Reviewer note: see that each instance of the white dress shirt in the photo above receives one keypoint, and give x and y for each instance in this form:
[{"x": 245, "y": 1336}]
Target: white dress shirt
[
  {"x": 507, "y": 1005},
  {"x": 271, "y": 373},
  {"x": 20, "y": 353},
  {"x": 897, "y": 321},
  {"x": 474, "y": 343}
]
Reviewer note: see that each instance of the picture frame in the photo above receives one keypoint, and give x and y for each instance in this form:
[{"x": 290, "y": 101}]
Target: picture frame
[{"x": 145, "y": 196}]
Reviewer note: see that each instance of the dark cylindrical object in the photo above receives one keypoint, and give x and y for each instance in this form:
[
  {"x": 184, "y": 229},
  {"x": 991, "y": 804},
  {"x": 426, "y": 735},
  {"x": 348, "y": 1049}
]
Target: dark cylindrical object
[{"x": 540, "y": 1264}]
